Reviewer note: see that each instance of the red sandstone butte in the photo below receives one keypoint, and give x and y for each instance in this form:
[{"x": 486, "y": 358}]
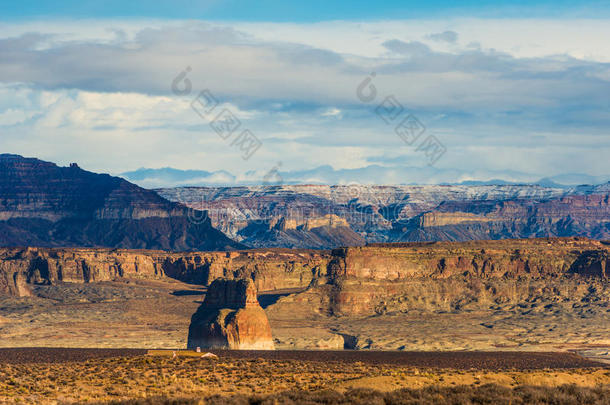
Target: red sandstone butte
[{"x": 230, "y": 318}]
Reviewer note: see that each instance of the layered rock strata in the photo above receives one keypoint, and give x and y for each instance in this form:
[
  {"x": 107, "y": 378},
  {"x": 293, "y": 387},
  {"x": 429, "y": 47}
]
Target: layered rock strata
[
  {"x": 349, "y": 281},
  {"x": 42, "y": 204},
  {"x": 278, "y": 269},
  {"x": 230, "y": 318},
  {"x": 447, "y": 276},
  {"x": 399, "y": 213}
]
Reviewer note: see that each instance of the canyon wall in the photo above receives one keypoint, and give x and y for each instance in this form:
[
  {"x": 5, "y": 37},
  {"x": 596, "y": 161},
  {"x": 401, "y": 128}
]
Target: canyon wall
[
  {"x": 274, "y": 216},
  {"x": 354, "y": 281},
  {"x": 42, "y": 204},
  {"x": 270, "y": 269},
  {"x": 448, "y": 276},
  {"x": 531, "y": 258}
]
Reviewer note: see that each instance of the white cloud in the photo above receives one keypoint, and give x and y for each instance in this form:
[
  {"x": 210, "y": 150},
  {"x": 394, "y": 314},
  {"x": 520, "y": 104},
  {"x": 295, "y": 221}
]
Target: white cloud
[
  {"x": 332, "y": 112},
  {"x": 533, "y": 97},
  {"x": 530, "y": 38}
]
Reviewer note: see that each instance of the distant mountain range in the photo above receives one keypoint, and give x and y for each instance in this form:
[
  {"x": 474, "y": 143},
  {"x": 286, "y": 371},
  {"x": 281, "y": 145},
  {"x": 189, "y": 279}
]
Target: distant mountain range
[
  {"x": 42, "y": 204},
  {"x": 45, "y": 205},
  {"x": 169, "y": 177},
  {"x": 370, "y": 175},
  {"x": 320, "y": 216}
]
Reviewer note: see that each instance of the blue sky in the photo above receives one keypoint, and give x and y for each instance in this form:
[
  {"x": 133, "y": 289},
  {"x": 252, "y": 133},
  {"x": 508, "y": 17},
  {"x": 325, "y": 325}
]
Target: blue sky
[
  {"x": 299, "y": 11},
  {"x": 511, "y": 90}
]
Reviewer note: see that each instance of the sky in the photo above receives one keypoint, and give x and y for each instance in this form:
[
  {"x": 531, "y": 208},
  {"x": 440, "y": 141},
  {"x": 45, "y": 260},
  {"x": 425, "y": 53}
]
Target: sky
[{"x": 342, "y": 92}]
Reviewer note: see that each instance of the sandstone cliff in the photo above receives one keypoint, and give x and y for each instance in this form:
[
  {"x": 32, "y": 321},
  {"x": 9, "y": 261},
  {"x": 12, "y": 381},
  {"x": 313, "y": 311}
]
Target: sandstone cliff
[
  {"x": 349, "y": 281},
  {"x": 270, "y": 216},
  {"x": 42, "y": 204},
  {"x": 230, "y": 318},
  {"x": 445, "y": 276},
  {"x": 270, "y": 269}
]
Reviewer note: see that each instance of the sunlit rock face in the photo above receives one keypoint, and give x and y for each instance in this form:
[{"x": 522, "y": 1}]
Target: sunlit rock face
[
  {"x": 457, "y": 276},
  {"x": 272, "y": 269},
  {"x": 230, "y": 318}
]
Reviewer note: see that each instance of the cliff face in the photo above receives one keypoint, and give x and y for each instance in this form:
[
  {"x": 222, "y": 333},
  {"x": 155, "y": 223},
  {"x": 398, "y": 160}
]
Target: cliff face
[
  {"x": 271, "y": 270},
  {"x": 271, "y": 216},
  {"x": 530, "y": 258},
  {"x": 49, "y": 266},
  {"x": 445, "y": 276},
  {"x": 230, "y": 318},
  {"x": 42, "y": 204},
  {"x": 13, "y": 281},
  {"x": 351, "y": 281},
  {"x": 571, "y": 215}
]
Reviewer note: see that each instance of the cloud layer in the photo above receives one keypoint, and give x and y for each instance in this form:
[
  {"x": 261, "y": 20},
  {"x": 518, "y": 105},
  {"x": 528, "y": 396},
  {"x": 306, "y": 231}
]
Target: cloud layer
[{"x": 500, "y": 99}]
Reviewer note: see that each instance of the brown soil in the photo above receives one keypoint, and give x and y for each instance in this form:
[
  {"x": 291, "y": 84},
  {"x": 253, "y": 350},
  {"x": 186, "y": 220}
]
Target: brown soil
[
  {"x": 248, "y": 374},
  {"x": 446, "y": 360},
  {"x": 486, "y": 394},
  {"x": 60, "y": 355}
]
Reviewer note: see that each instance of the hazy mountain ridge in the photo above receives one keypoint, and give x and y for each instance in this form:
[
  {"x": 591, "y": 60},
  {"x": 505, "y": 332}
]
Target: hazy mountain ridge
[
  {"x": 369, "y": 175},
  {"x": 42, "y": 204}
]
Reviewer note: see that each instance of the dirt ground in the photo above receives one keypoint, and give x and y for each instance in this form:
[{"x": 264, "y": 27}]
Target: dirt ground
[
  {"x": 137, "y": 314},
  {"x": 188, "y": 375},
  {"x": 156, "y": 314},
  {"x": 457, "y": 360}
]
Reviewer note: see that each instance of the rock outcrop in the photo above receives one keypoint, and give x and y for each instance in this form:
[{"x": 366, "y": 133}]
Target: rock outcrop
[
  {"x": 348, "y": 281},
  {"x": 13, "y": 282},
  {"x": 273, "y": 269},
  {"x": 45, "y": 205},
  {"x": 40, "y": 266},
  {"x": 277, "y": 216},
  {"x": 230, "y": 318},
  {"x": 447, "y": 276}
]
